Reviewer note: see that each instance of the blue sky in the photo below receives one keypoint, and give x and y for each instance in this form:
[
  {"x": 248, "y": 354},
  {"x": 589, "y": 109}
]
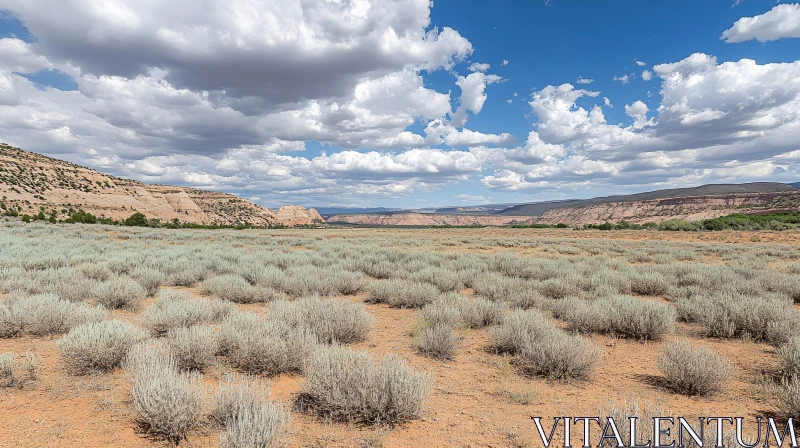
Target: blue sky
[{"x": 354, "y": 104}]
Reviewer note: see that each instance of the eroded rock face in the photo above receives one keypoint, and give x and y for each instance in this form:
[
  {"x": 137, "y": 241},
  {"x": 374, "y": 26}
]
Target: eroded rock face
[
  {"x": 34, "y": 182},
  {"x": 430, "y": 219},
  {"x": 688, "y": 208},
  {"x": 296, "y": 215}
]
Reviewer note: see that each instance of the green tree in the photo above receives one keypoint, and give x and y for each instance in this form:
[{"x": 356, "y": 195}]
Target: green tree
[
  {"x": 137, "y": 219},
  {"x": 26, "y": 218}
]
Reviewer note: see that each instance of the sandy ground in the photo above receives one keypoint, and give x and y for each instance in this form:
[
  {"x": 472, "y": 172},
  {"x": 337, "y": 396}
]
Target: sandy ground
[{"x": 478, "y": 400}]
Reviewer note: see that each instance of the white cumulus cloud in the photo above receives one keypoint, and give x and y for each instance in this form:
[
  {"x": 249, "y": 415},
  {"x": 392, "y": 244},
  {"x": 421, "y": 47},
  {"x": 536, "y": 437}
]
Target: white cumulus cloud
[{"x": 782, "y": 21}]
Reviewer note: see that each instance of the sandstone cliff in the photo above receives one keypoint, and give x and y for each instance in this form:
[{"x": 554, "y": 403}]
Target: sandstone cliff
[
  {"x": 33, "y": 182},
  {"x": 430, "y": 219},
  {"x": 689, "y": 208}
]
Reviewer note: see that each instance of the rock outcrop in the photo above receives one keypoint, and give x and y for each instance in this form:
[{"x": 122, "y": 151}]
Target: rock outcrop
[
  {"x": 689, "y": 208},
  {"x": 32, "y": 182},
  {"x": 430, "y": 219}
]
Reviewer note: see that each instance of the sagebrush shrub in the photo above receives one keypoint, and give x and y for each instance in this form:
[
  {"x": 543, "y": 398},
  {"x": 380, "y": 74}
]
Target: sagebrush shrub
[
  {"x": 176, "y": 309},
  {"x": 650, "y": 284},
  {"x": 236, "y": 392},
  {"x": 645, "y": 411},
  {"x": 118, "y": 292},
  {"x": 10, "y": 321},
  {"x": 149, "y": 356},
  {"x": 541, "y": 348},
  {"x": 789, "y": 397},
  {"x": 693, "y": 370},
  {"x": 403, "y": 293},
  {"x": 264, "y": 426},
  {"x": 330, "y": 320},
  {"x": 168, "y": 403},
  {"x": 444, "y": 279},
  {"x": 766, "y": 318},
  {"x": 186, "y": 277},
  {"x": 790, "y": 357},
  {"x": 150, "y": 279},
  {"x": 437, "y": 341},
  {"x": 96, "y": 271},
  {"x": 46, "y": 314},
  {"x": 559, "y": 288},
  {"x": 622, "y": 315},
  {"x": 67, "y": 283},
  {"x": 31, "y": 364},
  {"x": 236, "y": 289},
  {"x": 559, "y": 356},
  {"x": 445, "y": 310},
  {"x": 194, "y": 347},
  {"x": 481, "y": 313},
  {"x": 269, "y": 347},
  {"x": 518, "y": 329},
  {"x": 98, "y": 345},
  {"x": 7, "y": 367},
  {"x": 349, "y": 385}
]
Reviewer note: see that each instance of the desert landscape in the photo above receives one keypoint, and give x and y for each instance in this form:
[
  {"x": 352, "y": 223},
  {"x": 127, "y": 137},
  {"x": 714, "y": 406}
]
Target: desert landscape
[
  {"x": 399, "y": 224},
  {"x": 141, "y": 337}
]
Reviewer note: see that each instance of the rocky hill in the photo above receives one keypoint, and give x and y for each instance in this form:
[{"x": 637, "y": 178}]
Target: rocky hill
[
  {"x": 711, "y": 190},
  {"x": 32, "y": 182},
  {"x": 429, "y": 219},
  {"x": 709, "y": 201}
]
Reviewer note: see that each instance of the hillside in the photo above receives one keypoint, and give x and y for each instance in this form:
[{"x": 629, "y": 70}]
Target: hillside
[
  {"x": 539, "y": 208},
  {"x": 708, "y": 201},
  {"x": 32, "y": 182}
]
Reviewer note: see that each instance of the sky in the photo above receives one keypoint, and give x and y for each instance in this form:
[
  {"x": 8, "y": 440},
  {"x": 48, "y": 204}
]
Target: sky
[{"x": 407, "y": 103}]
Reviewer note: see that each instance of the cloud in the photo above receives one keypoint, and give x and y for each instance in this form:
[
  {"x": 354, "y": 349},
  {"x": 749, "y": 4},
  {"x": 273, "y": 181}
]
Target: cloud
[
  {"x": 478, "y": 67},
  {"x": 782, "y": 21},
  {"x": 638, "y": 111},
  {"x": 607, "y": 102},
  {"x": 272, "y": 54},
  {"x": 504, "y": 63},
  {"x": 623, "y": 79},
  {"x": 647, "y": 75},
  {"x": 717, "y": 122},
  {"x": 226, "y": 97},
  {"x": 473, "y": 94},
  {"x": 470, "y": 198},
  {"x": 640, "y": 63},
  {"x": 582, "y": 80},
  {"x": 18, "y": 56}
]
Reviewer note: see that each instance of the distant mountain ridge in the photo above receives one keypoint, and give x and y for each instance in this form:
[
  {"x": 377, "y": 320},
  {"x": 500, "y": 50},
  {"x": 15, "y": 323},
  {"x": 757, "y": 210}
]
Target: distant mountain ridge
[
  {"x": 33, "y": 182},
  {"x": 538, "y": 209},
  {"x": 703, "y": 202}
]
